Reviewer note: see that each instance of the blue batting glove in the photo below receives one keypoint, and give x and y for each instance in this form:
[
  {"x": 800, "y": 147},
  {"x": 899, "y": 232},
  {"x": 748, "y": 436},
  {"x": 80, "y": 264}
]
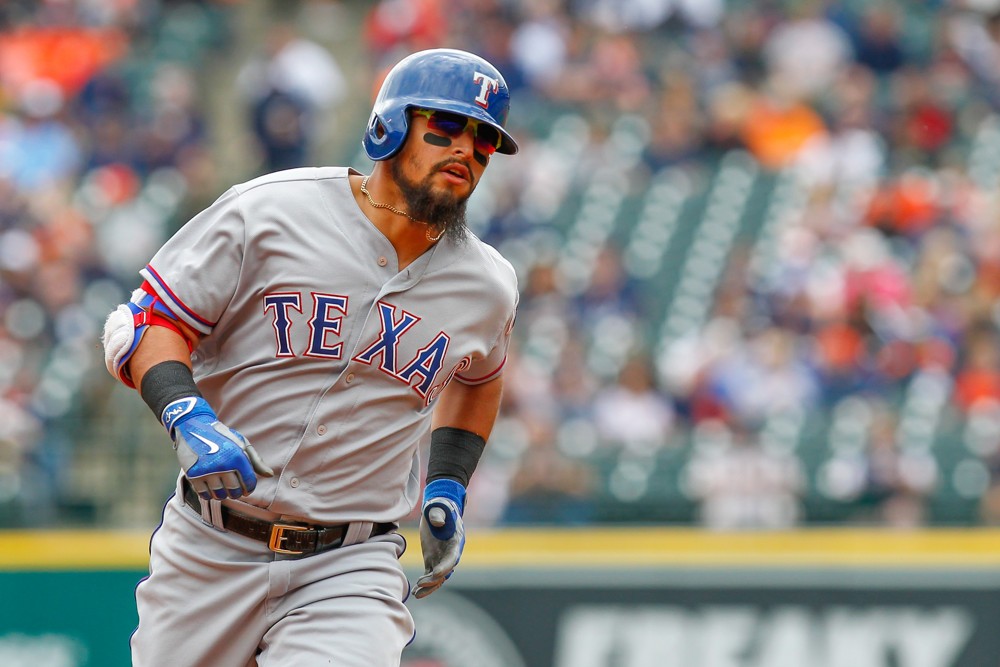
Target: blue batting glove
[
  {"x": 218, "y": 461},
  {"x": 442, "y": 534}
]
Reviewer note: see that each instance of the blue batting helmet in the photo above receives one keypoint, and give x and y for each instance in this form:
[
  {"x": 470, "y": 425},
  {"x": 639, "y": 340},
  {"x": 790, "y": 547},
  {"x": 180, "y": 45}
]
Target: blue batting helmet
[{"x": 441, "y": 79}]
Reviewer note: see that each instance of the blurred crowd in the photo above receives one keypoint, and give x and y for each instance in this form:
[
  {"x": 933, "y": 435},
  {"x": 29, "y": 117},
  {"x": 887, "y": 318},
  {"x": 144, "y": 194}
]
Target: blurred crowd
[
  {"x": 832, "y": 347},
  {"x": 103, "y": 150},
  {"x": 758, "y": 243}
]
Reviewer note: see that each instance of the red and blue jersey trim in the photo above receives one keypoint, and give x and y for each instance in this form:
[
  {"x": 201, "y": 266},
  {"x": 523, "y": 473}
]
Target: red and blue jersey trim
[
  {"x": 180, "y": 308},
  {"x": 486, "y": 378}
]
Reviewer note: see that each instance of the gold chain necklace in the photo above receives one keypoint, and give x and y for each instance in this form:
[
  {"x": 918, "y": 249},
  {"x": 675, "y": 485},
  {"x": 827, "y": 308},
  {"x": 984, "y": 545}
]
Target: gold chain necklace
[{"x": 364, "y": 191}]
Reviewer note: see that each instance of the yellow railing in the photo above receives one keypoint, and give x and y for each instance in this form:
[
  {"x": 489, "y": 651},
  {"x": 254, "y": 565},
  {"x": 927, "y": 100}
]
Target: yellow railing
[{"x": 595, "y": 547}]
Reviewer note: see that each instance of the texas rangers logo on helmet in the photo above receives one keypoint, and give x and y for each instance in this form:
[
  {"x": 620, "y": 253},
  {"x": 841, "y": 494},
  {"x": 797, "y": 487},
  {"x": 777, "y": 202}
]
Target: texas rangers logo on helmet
[{"x": 487, "y": 85}]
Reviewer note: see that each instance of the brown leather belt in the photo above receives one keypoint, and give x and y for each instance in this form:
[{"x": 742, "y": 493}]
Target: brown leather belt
[{"x": 293, "y": 538}]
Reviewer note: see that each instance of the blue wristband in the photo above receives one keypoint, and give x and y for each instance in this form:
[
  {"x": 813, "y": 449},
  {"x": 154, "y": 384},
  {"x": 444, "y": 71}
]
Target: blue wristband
[
  {"x": 183, "y": 409},
  {"x": 446, "y": 488}
]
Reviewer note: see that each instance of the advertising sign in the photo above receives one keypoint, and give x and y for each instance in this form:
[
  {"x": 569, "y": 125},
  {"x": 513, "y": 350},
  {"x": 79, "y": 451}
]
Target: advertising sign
[
  {"x": 713, "y": 619},
  {"x": 549, "y": 598}
]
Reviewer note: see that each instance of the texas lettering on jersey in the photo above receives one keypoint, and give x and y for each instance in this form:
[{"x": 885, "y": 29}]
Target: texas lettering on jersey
[{"x": 325, "y": 324}]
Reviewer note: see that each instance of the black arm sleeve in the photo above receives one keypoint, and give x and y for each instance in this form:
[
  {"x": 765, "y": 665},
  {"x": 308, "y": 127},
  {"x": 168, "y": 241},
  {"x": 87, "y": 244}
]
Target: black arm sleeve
[
  {"x": 454, "y": 454},
  {"x": 166, "y": 382}
]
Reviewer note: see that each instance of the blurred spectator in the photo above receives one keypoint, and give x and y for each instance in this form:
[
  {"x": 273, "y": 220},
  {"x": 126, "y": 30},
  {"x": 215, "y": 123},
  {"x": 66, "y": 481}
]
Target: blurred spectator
[
  {"x": 807, "y": 51},
  {"x": 609, "y": 292},
  {"x": 729, "y": 107},
  {"x": 778, "y": 125},
  {"x": 888, "y": 482},
  {"x": 297, "y": 66},
  {"x": 746, "y": 29},
  {"x": 601, "y": 70},
  {"x": 549, "y": 487},
  {"x": 925, "y": 124},
  {"x": 739, "y": 485},
  {"x": 988, "y": 507},
  {"x": 851, "y": 154},
  {"x": 898, "y": 481},
  {"x": 282, "y": 123},
  {"x": 19, "y": 468},
  {"x": 175, "y": 125},
  {"x": 37, "y": 147},
  {"x": 37, "y": 53},
  {"x": 539, "y": 44},
  {"x": 404, "y": 25},
  {"x": 972, "y": 36},
  {"x": 765, "y": 376},
  {"x": 288, "y": 90},
  {"x": 633, "y": 414},
  {"x": 878, "y": 44},
  {"x": 978, "y": 377},
  {"x": 842, "y": 355},
  {"x": 675, "y": 129},
  {"x": 627, "y": 15}
]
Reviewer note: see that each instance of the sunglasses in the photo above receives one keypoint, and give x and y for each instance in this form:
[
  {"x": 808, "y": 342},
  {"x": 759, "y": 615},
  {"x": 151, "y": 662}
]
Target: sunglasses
[{"x": 486, "y": 139}]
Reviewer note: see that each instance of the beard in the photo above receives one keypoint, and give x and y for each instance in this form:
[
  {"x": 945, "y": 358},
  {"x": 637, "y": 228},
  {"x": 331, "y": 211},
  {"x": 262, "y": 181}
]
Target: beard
[{"x": 442, "y": 212}]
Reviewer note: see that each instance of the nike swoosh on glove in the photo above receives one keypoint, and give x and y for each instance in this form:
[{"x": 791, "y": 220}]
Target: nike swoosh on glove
[
  {"x": 218, "y": 461},
  {"x": 442, "y": 534}
]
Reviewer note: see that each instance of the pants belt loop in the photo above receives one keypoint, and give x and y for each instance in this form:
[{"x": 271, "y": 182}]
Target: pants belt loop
[
  {"x": 215, "y": 509},
  {"x": 211, "y": 512},
  {"x": 358, "y": 531},
  {"x": 206, "y": 510}
]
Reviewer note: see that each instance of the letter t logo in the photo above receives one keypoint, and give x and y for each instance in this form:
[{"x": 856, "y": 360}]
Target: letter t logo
[{"x": 487, "y": 85}]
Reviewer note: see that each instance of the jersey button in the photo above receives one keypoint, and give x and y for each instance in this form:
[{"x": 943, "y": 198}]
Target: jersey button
[
  {"x": 350, "y": 378},
  {"x": 294, "y": 482},
  {"x": 321, "y": 429},
  {"x": 382, "y": 261}
]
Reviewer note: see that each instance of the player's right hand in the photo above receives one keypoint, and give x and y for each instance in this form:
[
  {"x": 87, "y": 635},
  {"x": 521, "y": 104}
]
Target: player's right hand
[{"x": 218, "y": 461}]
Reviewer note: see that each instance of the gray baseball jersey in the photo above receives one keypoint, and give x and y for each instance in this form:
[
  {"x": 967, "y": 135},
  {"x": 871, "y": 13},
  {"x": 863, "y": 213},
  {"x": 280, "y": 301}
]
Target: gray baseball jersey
[{"x": 318, "y": 349}]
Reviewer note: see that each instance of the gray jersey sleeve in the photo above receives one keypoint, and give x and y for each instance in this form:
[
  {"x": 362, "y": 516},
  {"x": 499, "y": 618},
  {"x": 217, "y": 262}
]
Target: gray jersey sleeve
[
  {"x": 196, "y": 272},
  {"x": 490, "y": 366}
]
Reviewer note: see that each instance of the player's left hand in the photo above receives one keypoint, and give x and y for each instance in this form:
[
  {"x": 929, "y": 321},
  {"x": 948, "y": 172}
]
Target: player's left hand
[{"x": 442, "y": 534}]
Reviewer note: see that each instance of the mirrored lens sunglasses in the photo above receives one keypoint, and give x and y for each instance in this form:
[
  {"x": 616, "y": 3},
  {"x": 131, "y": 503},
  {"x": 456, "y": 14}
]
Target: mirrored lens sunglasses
[{"x": 486, "y": 139}]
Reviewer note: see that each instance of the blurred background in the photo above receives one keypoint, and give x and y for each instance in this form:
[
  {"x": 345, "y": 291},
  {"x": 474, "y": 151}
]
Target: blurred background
[{"x": 758, "y": 243}]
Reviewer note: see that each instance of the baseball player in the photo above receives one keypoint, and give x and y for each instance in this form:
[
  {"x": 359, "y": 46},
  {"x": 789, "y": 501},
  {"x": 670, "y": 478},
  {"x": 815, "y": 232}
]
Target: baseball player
[{"x": 299, "y": 339}]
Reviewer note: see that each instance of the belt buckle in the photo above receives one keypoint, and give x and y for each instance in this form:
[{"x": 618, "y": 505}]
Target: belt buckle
[{"x": 278, "y": 538}]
